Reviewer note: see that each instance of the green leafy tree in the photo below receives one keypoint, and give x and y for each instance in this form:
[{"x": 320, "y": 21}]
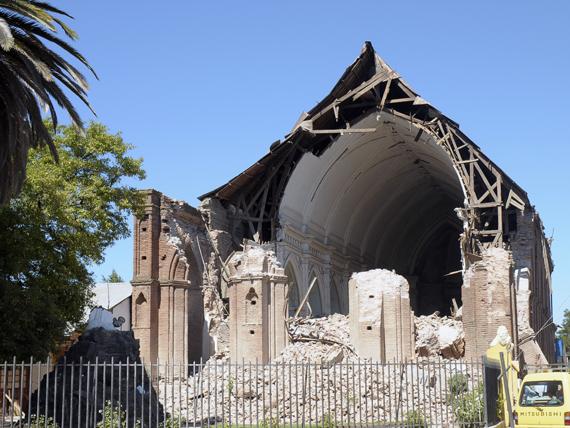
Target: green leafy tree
[
  {"x": 33, "y": 75},
  {"x": 564, "y": 330},
  {"x": 113, "y": 277},
  {"x": 67, "y": 214}
]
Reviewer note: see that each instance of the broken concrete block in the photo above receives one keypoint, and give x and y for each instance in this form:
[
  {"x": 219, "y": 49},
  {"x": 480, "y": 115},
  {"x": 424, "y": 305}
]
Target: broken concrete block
[
  {"x": 451, "y": 342},
  {"x": 436, "y": 335},
  {"x": 380, "y": 315}
]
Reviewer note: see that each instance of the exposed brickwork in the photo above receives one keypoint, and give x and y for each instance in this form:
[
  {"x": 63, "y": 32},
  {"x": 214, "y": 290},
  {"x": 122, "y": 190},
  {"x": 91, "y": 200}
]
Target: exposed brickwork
[
  {"x": 167, "y": 280},
  {"x": 487, "y": 300},
  {"x": 257, "y": 293},
  {"x": 176, "y": 302},
  {"x": 533, "y": 269}
]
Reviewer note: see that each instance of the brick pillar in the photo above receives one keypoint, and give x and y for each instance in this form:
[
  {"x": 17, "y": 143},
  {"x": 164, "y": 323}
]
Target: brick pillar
[
  {"x": 173, "y": 322},
  {"x": 167, "y": 306},
  {"x": 257, "y": 293},
  {"x": 487, "y": 302},
  {"x": 381, "y": 319},
  {"x": 145, "y": 297},
  {"x": 397, "y": 317}
]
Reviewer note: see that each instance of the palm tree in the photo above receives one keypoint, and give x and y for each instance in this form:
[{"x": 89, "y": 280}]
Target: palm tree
[{"x": 33, "y": 77}]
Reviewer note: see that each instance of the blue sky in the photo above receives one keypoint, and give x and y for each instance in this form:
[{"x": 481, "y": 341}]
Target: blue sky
[{"x": 203, "y": 88}]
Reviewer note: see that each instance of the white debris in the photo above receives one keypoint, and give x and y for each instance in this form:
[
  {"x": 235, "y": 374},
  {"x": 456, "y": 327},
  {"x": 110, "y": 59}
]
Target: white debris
[
  {"x": 503, "y": 337},
  {"x": 436, "y": 335},
  {"x": 355, "y": 391},
  {"x": 390, "y": 282},
  {"x": 318, "y": 340}
]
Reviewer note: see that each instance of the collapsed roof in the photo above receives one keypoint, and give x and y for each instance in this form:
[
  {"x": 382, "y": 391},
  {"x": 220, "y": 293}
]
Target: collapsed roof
[{"x": 367, "y": 89}]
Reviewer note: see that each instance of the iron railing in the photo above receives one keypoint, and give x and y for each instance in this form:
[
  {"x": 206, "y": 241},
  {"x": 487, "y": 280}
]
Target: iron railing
[{"x": 420, "y": 393}]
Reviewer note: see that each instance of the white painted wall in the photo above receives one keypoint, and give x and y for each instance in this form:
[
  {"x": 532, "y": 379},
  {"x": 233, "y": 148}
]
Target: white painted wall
[{"x": 123, "y": 309}]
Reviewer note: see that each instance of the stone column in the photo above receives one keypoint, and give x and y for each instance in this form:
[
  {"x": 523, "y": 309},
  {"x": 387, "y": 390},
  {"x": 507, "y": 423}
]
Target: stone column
[
  {"x": 257, "y": 293},
  {"x": 381, "y": 319}
]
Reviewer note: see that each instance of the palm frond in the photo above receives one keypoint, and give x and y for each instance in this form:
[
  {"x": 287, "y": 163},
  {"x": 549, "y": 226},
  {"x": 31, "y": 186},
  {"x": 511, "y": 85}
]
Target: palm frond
[{"x": 32, "y": 76}]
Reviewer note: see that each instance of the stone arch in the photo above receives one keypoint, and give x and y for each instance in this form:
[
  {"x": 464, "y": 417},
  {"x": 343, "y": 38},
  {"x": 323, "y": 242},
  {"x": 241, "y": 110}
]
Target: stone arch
[
  {"x": 315, "y": 297},
  {"x": 294, "y": 296}
]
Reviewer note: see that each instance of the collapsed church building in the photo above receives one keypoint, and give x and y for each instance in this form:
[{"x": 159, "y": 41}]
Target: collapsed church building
[{"x": 375, "y": 206}]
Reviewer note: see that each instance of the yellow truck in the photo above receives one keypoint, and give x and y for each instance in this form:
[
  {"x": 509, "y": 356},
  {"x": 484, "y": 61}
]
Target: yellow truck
[
  {"x": 543, "y": 400},
  {"x": 540, "y": 399}
]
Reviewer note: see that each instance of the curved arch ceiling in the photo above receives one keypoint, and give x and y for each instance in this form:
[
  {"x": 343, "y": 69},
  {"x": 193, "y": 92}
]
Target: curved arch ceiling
[{"x": 373, "y": 196}]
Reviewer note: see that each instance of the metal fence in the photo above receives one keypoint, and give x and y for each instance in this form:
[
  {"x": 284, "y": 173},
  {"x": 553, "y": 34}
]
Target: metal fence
[{"x": 420, "y": 393}]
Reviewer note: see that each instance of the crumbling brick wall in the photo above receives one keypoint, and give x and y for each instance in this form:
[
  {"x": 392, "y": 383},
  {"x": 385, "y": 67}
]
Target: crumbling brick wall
[
  {"x": 533, "y": 269},
  {"x": 167, "y": 280},
  {"x": 487, "y": 300}
]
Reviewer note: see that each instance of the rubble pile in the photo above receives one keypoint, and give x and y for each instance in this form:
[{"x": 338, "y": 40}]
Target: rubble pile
[
  {"x": 285, "y": 391},
  {"x": 323, "y": 340},
  {"x": 319, "y": 373},
  {"x": 437, "y": 335}
]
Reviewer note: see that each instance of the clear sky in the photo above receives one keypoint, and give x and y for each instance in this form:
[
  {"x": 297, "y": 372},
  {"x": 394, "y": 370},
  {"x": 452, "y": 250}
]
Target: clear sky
[{"x": 203, "y": 88}]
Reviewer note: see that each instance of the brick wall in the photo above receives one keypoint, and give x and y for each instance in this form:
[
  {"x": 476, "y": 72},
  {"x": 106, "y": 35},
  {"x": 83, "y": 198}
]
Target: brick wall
[
  {"x": 487, "y": 300},
  {"x": 167, "y": 280}
]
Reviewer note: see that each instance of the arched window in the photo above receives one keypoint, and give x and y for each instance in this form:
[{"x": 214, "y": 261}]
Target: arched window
[
  {"x": 142, "y": 315},
  {"x": 315, "y": 297},
  {"x": 293, "y": 289}
]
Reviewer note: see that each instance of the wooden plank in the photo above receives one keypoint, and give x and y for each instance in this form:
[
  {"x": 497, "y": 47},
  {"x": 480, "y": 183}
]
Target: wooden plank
[
  {"x": 487, "y": 193},
  {"x": 262, "y": 210},
  {"x": 385, "y": 94},
  {"x": 442, "y": 139},
  {"x": 468, "y": 161},
  {"x": 486, "y": 181},
  {"x": 485, "y": 205},
  {"x": 485, "y": 232},
  {"x": 343, "y": 131},
  {"x": 514, "y": 200},
  {"x": 406, "y": 90},
  {"x": 270, "y": 176},
  {"x": 472, "y": 172},
  {"x": 500, "y": 207},
  {"x": 366, "y": 86},
  {"x": 459, "y": 158},
  {"x": 400, "y": 100}
]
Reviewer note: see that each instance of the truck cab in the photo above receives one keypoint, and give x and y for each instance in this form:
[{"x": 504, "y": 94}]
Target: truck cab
[{"x": 543, "y": 400}]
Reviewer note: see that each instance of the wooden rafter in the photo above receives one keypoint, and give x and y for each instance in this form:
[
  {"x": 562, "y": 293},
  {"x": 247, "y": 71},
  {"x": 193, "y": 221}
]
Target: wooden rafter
[{"x": 482, "y": 181}]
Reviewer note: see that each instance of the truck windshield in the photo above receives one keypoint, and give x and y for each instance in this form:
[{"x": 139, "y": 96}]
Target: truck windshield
[{"x": 542, "y": 393}]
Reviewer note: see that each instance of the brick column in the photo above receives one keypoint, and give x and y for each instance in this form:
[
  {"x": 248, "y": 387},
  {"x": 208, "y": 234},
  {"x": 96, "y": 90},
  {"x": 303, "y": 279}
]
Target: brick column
[
  {"x": 486, "y": 300},
  {"x": 145, "y": 297},
  {"x": 257, "y": 293}
]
